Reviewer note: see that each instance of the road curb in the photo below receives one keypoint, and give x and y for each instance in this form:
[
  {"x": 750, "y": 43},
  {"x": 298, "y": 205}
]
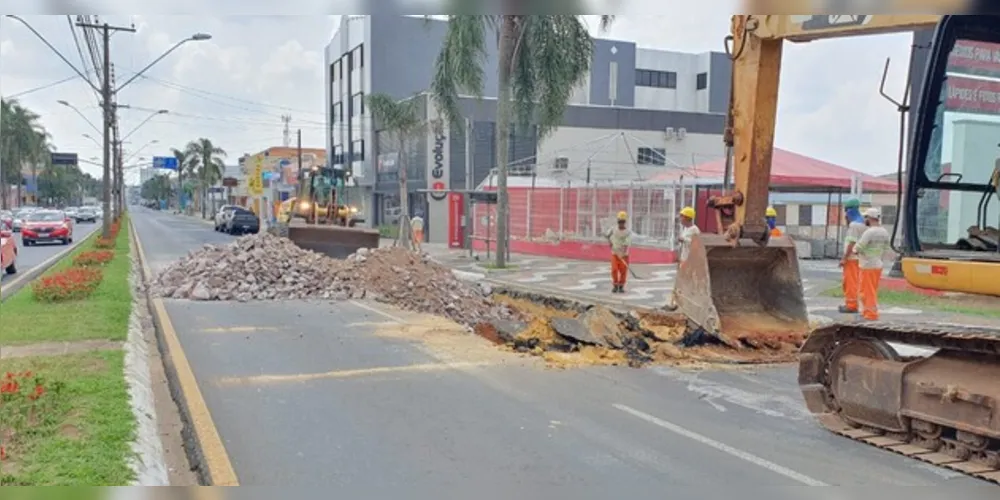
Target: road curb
[
  {"x": 202, "y": 442},
  {"x": 15, "y": 285}
]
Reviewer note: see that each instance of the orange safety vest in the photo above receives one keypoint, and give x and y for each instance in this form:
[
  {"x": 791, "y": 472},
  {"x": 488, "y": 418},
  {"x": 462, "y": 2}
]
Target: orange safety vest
[{"x": 776, "y": 232}]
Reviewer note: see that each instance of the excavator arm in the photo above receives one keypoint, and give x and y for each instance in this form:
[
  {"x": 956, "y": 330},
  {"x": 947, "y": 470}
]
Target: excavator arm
[
  {"x": 743, "y": 286},
  {"x": 757, "y": 42}
]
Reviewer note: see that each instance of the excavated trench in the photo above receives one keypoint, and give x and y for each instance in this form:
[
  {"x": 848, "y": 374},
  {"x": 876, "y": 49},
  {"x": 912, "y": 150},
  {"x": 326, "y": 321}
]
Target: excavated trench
[{"x": 570, "y": 332}]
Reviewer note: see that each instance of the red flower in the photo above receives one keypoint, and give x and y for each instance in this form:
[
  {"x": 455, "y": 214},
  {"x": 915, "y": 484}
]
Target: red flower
[
  {"x": 70, "y": 284},
  {"x": 10, "y": 387},
  {"x": 93, "y": 258},
  {"x": 39, "y": 391},
  {"x": 3, "y": 453}
]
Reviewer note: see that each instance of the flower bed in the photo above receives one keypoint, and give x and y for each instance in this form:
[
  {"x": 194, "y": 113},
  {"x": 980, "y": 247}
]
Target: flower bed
[
  {"x": 93, "y": 258},
  {"x": 24, "y": 401},
  {"x": 71, "y": 284}
]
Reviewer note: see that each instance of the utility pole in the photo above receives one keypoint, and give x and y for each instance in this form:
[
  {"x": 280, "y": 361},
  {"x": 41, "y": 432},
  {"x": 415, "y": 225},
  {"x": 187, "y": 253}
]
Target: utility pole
[
  {"x": 107, "y": 95},
  {"x": 298, "y": 175}
]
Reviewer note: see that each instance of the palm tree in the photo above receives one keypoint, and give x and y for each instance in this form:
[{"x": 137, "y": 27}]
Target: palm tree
[
  {"x": 540, "y": 60},
  {"x": 182, "y": 161},
  {"x": 208, "y": 160},
  {"x": 23, "y": 140},
  {"x": 402, "y": 120}
]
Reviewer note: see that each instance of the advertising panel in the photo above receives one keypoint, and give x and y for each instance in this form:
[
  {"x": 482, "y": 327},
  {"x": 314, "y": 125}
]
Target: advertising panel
[{"x": 970, "y": 95}]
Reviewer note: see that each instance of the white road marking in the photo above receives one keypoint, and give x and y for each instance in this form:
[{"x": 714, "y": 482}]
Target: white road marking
[
  {"x": 742, "y": 455},
  {"x": 391, "y": 317}
]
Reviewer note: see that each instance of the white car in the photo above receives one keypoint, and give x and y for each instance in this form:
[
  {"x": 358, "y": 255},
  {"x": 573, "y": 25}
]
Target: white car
[{"x": 223, "y": 215}]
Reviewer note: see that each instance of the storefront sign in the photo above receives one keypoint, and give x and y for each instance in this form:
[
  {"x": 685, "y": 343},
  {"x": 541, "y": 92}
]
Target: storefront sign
[
  {"x": 970, "y": 95},
  {"x": 439, "y": 184},
  {"x": 975, "y": 58}
]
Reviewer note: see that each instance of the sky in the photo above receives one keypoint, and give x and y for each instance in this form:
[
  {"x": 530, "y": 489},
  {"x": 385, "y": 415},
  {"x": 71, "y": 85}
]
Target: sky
[{"x": 235, "y": 87}]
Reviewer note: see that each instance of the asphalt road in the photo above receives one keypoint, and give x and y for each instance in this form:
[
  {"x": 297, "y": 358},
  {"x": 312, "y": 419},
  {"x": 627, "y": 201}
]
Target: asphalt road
[
  {"x": 29, "y": 257},
  {"x": 376, "y": 403}
]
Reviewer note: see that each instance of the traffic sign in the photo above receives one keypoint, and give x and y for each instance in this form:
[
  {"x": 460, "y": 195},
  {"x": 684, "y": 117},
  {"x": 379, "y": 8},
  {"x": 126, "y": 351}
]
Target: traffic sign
[
  {"x": 255, "y": 182},
  {"x": 64, "y": 158},
  {"x": 165, "y": 162}
]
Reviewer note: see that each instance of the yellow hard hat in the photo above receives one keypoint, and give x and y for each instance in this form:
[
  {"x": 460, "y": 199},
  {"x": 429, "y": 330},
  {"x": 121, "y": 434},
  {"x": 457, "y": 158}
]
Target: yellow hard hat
[
  {"x": 622, "y": 215},
  {"x": 687, "y": 212},
  {"x": 771, "y": 212}
]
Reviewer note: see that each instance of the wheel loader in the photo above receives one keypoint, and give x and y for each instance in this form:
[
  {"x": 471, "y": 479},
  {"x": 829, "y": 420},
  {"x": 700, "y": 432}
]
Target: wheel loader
[
  {"x": 319, "y": 219},
  {"x": 927, "y": 391}
]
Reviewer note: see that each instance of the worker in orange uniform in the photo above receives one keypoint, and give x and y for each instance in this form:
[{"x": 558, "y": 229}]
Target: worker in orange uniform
[
  {"x": 772, "y": 221},
  {"x": 872, "y": 245},
  {"x": 849, "y": 261},
  {"x": 620, "y": 239},
  {"x": 417, "y": 227}
]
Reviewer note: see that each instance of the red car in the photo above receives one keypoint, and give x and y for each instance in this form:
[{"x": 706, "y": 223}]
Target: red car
[
  {"x": 47, "y": 226},
  {"x": 8, "y": 251}
]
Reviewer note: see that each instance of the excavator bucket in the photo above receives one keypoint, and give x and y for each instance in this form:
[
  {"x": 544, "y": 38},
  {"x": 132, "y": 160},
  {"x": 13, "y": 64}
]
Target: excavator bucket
[
  {"x": 743, "y": 295},
  {"x": 337, "y": 242}
]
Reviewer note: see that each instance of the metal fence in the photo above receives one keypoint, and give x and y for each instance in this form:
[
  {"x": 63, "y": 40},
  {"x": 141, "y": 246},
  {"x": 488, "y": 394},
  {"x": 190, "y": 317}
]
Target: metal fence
[{"x": 584, "y": 213}]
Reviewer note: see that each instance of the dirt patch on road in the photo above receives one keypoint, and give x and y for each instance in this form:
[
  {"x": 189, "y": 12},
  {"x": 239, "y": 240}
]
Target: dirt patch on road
[{"x": 567, "y": 334}]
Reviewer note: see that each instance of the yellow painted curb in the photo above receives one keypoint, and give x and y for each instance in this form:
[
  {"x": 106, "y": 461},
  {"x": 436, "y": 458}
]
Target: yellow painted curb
[{"x": 211, "y": 455}]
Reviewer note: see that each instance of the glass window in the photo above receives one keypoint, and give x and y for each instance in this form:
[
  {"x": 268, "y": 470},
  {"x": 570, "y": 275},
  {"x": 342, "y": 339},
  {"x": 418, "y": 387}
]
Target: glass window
[
  {"x": 338, "y": 155},
  {"x": 963, "y": 150},
  {"x": 358, "y": 153},
  {"x": 652, "y": 156},
  {"x": 702, "y": 81},
  {"x": 338, "y": 112},
  {"x": 335, "y": 73},
  {"x": 358, "y": 104},
  {"x": 671, "y": 80}
]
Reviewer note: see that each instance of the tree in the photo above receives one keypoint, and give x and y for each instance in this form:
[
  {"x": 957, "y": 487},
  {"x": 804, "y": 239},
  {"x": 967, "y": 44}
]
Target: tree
[
  {"x": 540, "y": 60},
  {"x": 182, "y": 165},
  {"x": 22, "y": 140},
  {"x": 401, "y": 120},
  {"x": 159, "y": 188},
  {"x": 207, "y": 159}
]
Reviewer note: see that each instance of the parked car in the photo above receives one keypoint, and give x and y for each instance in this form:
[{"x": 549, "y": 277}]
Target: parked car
[
  {"x": 85, "y": 215},
  {"x": 8, "y": 251},
  {"x": 223, "y": 215},
  {"x": 6, "y": 220},
  {"x": 242, "y": 221},
  {"x": 71, "y": 211},
  {"x": 47, "y": 226}
]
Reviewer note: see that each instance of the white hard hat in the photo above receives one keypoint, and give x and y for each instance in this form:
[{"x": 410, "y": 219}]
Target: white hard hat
[{"x": 873, "y": 213}]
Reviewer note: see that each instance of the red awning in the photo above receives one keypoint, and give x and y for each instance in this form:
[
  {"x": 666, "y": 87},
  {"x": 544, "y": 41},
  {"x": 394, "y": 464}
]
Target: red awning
[{"x": 791, "y": 170}]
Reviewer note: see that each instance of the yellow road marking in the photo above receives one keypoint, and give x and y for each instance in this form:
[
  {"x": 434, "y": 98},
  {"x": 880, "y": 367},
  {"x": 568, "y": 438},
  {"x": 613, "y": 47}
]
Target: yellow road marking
[
  {"x": 341, "y": 374},
  {"x": 241, "y": 329},
  {"x": 214, "y": 455}
]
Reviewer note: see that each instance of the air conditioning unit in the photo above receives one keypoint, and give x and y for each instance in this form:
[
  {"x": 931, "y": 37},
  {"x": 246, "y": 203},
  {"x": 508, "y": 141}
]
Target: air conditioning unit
[
  {"x": 561, "y": 163},
  {"x": 681, "y": 133},
  {"x": 669, "y": 132}
]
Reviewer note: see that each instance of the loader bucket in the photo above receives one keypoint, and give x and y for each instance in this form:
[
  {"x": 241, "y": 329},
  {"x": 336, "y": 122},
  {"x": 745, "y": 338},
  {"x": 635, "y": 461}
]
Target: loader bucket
[
  {"x": 337, "y": 242},
  {"x": 743, "y": 295}
]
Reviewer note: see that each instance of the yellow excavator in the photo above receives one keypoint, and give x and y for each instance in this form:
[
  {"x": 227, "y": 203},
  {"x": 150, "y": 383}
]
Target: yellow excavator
[{"x": 743, "y": 287}]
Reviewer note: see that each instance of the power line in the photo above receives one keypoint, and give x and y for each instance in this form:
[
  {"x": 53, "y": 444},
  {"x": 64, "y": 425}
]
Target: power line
[
  {"x": 41, "y": 87},
  {"x": 179, "y": 86}
]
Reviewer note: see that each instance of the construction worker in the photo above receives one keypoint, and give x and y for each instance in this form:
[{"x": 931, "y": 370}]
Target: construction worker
[
  {"x": 772, "y": 221},
  {"x": 849, "y": 261},
  {"x": 872, "y": 245},
  {"x": 417, "y": 226},
  {"x": 688, "y": 231},
  {"x": 620, "y": 239}
]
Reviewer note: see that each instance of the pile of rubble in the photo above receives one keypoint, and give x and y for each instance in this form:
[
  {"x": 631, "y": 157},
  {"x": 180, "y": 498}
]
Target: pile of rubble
[{"x": 269, "y": 267}]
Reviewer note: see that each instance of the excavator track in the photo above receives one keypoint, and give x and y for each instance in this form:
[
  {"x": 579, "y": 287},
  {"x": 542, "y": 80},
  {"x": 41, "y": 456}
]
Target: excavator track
[{"x": 858, "y": 386}]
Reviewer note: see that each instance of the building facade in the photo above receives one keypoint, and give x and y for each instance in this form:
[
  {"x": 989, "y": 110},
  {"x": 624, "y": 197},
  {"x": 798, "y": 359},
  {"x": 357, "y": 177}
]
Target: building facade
[{"x": 671, "y": 104}]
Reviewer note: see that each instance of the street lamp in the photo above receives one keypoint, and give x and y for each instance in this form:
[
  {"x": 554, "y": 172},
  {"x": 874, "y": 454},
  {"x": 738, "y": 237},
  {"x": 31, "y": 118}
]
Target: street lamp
[
  {"x": 197, "y": 37},
  {"x": 88, "y": 136},
  {"x": 77, "y": 111},
  {"x": 154, "y": 141},
  {"x": 150, "y": 117}
]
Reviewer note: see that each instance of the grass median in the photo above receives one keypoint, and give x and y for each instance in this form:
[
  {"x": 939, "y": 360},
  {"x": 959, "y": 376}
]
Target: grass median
[
  {"x": 77, "y": 432},
  {"x": 103, "y": 315},
  {"x": 987, "y": 307}
]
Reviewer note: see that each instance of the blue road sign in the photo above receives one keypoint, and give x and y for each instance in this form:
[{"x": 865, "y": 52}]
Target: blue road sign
[{"x": 165, "y": 162}]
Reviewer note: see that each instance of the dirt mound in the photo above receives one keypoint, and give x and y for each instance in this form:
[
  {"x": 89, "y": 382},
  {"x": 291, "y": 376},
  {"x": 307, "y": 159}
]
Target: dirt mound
[{"x": 269, "y": 267}]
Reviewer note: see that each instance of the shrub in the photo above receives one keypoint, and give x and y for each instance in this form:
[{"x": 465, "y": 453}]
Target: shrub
[
  {"x": 24, "y": 399},
  {"x": 73, "y": 283},
  {"x": 105, "y": 243},
  {"x": 93, "y": 258}
]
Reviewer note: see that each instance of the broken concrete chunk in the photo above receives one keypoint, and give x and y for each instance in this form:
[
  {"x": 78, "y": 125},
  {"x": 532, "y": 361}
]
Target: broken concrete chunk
[{"x": 576, "y": 330}]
